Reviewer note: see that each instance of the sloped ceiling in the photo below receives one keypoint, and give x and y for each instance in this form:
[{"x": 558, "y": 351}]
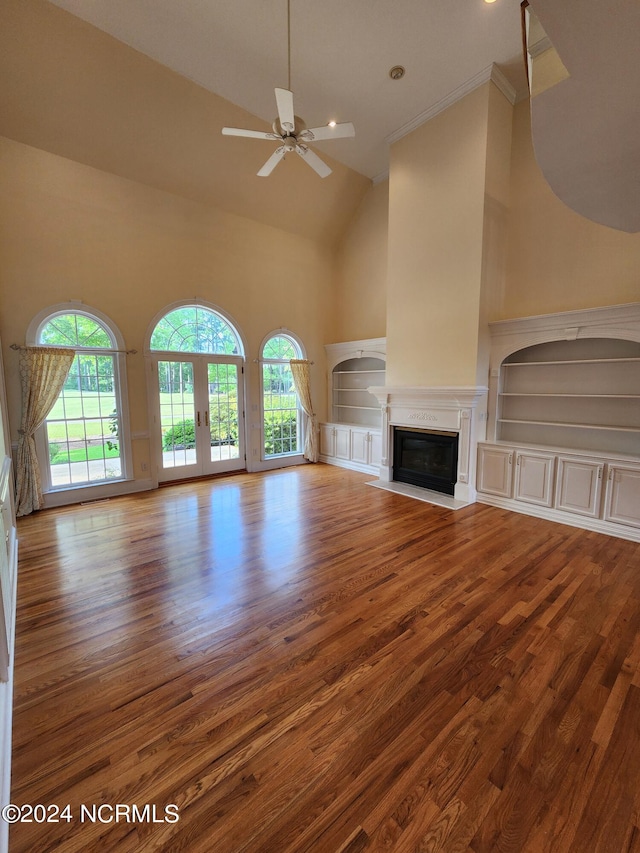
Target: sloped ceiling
[
  {"x": 72, "y": 90},
  {"x": 586, "y": 128},
  {"x": 341, "y": 53}
]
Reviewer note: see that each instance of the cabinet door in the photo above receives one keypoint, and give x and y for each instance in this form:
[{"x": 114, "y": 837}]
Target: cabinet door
[
  {"x": 327, "y": 440},
  {"x": 534, "y": 478},
  {"x": 578, "y": 486},
  {"x": 623, "y": 495},
  {"x": 360, "y": 446},
  {"x": 494, "y": 471},
  {"x": 375, "y": 448},
  {"x": 343, "y": 442}
]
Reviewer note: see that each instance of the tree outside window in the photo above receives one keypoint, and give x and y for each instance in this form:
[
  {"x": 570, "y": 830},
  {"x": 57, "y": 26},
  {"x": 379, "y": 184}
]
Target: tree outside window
[
  {"x": 83, "y": 429},
  {"x": 281, "y": 426}
]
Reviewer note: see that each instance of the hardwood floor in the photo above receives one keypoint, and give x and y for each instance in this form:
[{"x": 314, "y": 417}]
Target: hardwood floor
[{"x": 300, "y": 662}]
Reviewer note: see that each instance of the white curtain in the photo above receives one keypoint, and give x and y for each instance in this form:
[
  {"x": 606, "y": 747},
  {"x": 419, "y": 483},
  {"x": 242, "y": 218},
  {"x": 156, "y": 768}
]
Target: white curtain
[
  {"x": 43, "y": 372},
  {"x": 302, "y": 381}
]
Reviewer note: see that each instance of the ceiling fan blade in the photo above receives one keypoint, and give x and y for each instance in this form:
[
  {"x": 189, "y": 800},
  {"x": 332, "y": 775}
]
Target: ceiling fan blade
[
  {"x": 313, "y": 160},
  {"x": 272, "y": 162},
  {"x": 284, "y": 100},
  {"x": 338, "y": 131},
  {"x": 253, "y": 134}
]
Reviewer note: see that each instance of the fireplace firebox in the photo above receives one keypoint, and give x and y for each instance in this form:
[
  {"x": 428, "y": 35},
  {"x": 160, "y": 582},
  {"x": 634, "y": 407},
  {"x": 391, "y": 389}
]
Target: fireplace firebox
[{"x": 426, "y": 458}]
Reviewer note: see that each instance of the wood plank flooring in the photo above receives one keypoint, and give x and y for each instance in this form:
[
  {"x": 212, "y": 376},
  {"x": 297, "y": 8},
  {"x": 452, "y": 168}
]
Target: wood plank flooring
[{"x": 300, "y": 662}]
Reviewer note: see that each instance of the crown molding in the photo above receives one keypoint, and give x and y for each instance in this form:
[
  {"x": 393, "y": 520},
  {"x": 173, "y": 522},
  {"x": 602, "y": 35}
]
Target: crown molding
[{"x": 490, "y": 74}]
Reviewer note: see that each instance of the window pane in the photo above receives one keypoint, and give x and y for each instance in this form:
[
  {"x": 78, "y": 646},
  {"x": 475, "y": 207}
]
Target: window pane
[
  {"x": 83, "y": 428},
  {"x": 280, "y": 347},
  {"x": 75, "y": 330},
  {"x": 280, "y": 410},
  {"x": 195, "y": 329}
]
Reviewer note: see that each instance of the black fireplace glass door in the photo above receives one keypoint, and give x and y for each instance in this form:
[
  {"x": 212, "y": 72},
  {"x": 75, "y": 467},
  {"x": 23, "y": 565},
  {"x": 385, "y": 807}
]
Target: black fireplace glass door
[{"x": 426, "y": 459}]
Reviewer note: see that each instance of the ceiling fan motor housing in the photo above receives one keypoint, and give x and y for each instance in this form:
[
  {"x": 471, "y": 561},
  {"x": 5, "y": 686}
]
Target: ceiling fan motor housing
[{"x": 299, "y": 127}]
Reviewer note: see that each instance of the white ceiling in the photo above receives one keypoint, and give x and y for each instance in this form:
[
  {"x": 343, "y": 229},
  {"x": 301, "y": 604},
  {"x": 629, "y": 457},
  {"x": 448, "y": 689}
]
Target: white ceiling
[{"x": 341, "y": 53}]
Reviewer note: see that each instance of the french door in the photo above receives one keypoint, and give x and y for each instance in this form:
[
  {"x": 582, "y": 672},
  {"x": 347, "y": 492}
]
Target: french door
[{"x": 199, "y": 416}]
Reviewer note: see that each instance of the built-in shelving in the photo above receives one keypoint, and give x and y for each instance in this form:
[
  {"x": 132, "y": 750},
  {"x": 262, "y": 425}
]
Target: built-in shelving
[
  {"x": 351, "y": 401},
  {"x": 585, "y": 394}
]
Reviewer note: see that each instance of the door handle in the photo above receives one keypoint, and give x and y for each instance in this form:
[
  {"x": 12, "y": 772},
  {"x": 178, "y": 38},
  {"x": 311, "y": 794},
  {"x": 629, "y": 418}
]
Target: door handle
[
  {"x": 198, "y": 419},
  {"x": 206, "y": 417}
]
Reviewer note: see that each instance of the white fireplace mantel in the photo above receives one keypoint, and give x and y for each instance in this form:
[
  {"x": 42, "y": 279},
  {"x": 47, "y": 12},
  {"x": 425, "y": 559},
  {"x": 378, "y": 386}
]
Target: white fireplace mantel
[{"x": 460, "y": 408}]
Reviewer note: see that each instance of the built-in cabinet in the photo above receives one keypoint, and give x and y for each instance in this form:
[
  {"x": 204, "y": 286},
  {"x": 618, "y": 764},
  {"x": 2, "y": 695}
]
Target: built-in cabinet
[
  {"x": 602, "y": 489},
  {"x": 353, "y": 438},
  {"x": 351, "y": 447},
  {"x": 563, "y": 436}
]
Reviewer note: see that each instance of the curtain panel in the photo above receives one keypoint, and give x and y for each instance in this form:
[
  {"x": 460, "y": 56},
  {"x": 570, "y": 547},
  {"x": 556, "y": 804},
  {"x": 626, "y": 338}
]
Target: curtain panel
[
  {"x": 300, "y": 368},
  {"x": 43, "y": 372}
]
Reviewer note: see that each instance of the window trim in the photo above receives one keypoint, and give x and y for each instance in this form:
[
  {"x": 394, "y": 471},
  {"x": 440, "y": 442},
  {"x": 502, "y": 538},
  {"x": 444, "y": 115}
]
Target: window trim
[{"x": 102, "y": 488}]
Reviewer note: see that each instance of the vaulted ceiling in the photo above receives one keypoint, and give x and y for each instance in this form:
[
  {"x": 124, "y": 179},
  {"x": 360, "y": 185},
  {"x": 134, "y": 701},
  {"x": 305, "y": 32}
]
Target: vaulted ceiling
[{"x": 341, "y": 54}]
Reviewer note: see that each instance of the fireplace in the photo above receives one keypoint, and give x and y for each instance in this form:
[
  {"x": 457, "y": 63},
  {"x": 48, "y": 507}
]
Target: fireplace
[
  {"x": 426, "y": 458},
  {"x": 453, "y": 416}
]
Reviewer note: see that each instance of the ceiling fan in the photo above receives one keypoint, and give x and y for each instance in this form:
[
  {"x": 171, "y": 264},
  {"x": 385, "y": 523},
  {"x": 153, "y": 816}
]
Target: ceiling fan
[{"x": 290, "y": 131}]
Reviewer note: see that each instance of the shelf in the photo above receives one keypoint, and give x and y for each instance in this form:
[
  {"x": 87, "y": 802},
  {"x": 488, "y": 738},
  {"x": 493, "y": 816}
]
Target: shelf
[
  {"x": 570, "y": 425},
  {"x": 555, "y": 394},
  {"x": 569, "y": 361},
  {"x": 351, "y": 372},
  {"x": 365, "y": 408}
]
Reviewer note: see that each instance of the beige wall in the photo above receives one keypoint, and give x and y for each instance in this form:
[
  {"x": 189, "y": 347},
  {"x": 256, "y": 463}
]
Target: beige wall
[
  {"x": 73, "y": 90},
  {"x": 436, "y": 208},
  {"x": 360, "y": 303},
  {"x": 559, "y": 261},
  {"x": 68, "y": 231}
]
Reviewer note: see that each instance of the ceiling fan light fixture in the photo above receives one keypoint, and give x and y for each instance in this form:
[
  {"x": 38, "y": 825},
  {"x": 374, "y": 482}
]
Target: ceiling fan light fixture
[
  {"x": 397, "y": 72},
  {"x": 290, "y": 130}
]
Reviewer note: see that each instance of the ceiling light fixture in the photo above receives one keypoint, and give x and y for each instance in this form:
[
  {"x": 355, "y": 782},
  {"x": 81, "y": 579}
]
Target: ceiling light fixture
[
  {"x": 331, "y": 123},
  {"x": 397, "y": 72}
]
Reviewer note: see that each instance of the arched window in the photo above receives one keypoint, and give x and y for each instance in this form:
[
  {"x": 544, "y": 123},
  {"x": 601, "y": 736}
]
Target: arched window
[
  {"x": 192, "y": 328},
  {"x": 282, "y": 425},
  {"x": 83, "y": 433}
]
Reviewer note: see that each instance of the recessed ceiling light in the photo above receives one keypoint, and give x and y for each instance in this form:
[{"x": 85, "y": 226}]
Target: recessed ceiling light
[
  {"x": 489, "y": 1},
  {"x": 332, "y": 124},
  {"x": 397, "y": 72}
]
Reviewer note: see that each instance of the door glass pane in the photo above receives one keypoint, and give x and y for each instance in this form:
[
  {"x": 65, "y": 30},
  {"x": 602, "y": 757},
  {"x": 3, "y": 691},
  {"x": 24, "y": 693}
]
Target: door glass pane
[
  {"x": 223, "y": 411},
  {"x": 177, "y": 413}
]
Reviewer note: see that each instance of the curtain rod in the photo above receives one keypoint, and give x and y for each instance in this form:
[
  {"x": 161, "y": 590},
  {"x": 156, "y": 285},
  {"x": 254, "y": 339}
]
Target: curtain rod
[
  {"x": 271, "y": 360},
  {"x": 77, "y": 349}
]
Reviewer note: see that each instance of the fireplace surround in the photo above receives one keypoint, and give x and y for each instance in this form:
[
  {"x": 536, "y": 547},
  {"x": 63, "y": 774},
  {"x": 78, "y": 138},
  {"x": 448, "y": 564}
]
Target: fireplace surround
[{"x": 460, "y": 411}]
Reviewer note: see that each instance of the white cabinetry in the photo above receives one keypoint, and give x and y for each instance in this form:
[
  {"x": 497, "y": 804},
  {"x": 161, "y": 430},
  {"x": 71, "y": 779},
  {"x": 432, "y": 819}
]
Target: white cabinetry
[
  {"x": 564, "y": 394},
  {"x": 601, "y": 493},
  {"x": 580, "y": 394},
  {"x": 353, "y": 439},
  {"x": 365, "y": 446},
  {"x": 351, "y": 447},
  {"x": 335, "y": 441},
  {"x": 623, "y": 495},
  {"x": 494, "y": 470},
  {"x": 534, "y": 478},
  {"x": 579, "y": 486}
]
